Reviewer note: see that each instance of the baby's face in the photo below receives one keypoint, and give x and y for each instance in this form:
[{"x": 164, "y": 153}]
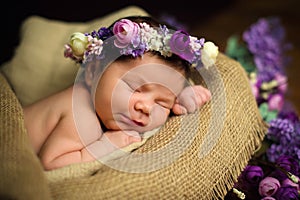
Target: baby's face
[{"x": 137, "y": 94}]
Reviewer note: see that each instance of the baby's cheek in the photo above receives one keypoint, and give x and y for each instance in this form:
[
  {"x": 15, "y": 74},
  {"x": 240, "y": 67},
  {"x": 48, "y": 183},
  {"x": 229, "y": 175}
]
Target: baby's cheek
[
  {"x": 167, "y": 112},
  {"x": 159, "y": 115},
  {"x": 121, "y": 96}
]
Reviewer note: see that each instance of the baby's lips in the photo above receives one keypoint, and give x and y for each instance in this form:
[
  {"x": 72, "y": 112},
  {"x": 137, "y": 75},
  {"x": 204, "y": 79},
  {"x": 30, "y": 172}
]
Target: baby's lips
[{"x": 139, "y": 122}]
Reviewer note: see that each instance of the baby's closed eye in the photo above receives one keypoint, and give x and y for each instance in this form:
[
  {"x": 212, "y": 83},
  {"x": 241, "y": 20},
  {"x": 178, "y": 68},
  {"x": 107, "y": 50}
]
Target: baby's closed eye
[{"x": 166, "y": 103}]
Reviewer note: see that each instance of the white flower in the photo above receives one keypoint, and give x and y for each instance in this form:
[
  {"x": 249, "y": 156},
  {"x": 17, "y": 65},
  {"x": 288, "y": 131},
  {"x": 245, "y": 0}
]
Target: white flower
[
  {"x": 209, "y": 54},
  {"x": 194, "y": 44},
  {"x": 96, "y": 46},
  {"x": 166, "y": 50}
]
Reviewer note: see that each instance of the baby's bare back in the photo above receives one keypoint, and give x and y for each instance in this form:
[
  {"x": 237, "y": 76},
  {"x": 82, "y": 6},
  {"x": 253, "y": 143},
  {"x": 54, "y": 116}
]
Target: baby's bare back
[
  {"x": 62, "y": 133},
  {"x": 53, "y": 131}
]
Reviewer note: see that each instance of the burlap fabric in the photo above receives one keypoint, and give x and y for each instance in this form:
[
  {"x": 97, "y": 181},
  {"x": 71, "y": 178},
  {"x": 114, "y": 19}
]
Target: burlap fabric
[
  {"x": 211, "y": 148},
  {"x": 21, "y": 175}
]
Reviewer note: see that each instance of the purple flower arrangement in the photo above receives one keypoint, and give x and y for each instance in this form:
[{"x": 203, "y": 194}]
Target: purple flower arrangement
[{"x": 273, "y": 173}]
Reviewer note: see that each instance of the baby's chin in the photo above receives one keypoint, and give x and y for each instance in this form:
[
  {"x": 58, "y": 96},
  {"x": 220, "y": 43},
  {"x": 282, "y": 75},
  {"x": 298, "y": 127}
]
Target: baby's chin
[{"x": 116, "y": 126}]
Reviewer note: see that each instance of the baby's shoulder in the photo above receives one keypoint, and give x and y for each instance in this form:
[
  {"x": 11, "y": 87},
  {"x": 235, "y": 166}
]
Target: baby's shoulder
[{"x": 61, "y": 101}]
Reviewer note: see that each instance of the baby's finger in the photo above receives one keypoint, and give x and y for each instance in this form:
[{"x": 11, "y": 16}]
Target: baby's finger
[
  {"x": 132, "y": 133},
  {"x": 190, "y": 104},
  {"x": 202, "y": 96},
  {"x": 133, "y": 136},
  {"x": 179, "y": 109},
  {"x": 133, "y": 139}
]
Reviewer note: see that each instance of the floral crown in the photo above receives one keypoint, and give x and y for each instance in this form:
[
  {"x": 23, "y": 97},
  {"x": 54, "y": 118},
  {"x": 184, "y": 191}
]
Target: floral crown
[{"x": 131, "y": 38}]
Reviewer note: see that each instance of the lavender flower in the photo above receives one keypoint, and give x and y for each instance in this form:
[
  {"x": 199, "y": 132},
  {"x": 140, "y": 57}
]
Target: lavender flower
[
  {"x": 265, "y": 40},
  {"x": 280, "y": 130},
  {"x": 275, "y": 151},
  {"x": 288, "y": 112},
  {"x": 294, "y": 150},
  {"x": 284, "y": 132}
]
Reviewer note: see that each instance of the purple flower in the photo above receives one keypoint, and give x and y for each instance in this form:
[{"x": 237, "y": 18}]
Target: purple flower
[
  {"x": 287, "y": 193},
  {"x": 251, "y": 176},
  {"x": 255, "y": 90},
  {"x": 266, "y": 74},
  {"x": 282, "y": 82},
  {"x": 288, "y": 163},
  {"x": 125, "y": 32},
  {"x": 268, "y": 186},
  {"x": 288, "y": 182},
  {"x": 294, "y": 150},
  {"x": 266, "y": 41},
  {"x": 285, "y": 131},
  {"x": 275, "y": 150},
  {"x": 104, "y": 33},
  {"x": 180, "y": 45},
  {"x": 276, "y": 101},
  {"x": 280, "y": 130},
  {"x": 288, "y": 112}
]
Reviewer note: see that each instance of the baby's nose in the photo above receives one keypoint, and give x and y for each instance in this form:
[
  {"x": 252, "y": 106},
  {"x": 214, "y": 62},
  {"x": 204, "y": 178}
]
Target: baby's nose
[{"x": 144, "y": 106}]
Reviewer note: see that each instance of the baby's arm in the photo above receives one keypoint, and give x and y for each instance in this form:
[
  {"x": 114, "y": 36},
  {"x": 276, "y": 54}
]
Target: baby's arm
[
  {"x": 190, "y": 99},
  {"x": 111, "y": 141},
  {"x": 53, "y": 158}
]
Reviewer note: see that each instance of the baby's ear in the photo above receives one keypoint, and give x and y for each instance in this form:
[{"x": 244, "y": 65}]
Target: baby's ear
[{"x": 89, "y": 73}]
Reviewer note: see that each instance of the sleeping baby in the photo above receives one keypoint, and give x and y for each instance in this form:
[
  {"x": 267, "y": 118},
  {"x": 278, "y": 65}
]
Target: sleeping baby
[{"x": 117, "y": 98}]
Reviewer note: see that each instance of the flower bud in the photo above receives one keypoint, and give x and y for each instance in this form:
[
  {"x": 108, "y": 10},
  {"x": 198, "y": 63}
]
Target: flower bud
[
  {"x": 268, "y": 186},
  {"x": 78, "y": 43}
]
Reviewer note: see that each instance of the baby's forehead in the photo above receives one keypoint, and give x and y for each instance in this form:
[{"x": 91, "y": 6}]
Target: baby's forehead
[{"x": 159, "y": 74}]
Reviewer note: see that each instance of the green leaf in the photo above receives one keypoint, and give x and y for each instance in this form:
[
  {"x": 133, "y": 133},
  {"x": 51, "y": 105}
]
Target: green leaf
[
  {"x": 271, "y": 115},
  {"x": 239, "y": 51},
  {"x": 263, "y": 109},
  {"x": 267, "y": 114}
]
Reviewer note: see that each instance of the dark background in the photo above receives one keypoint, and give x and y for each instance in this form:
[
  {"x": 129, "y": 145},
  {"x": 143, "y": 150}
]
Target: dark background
[
  {"x": 16, "y": 11},
  {"x": 214, "y": 19}
]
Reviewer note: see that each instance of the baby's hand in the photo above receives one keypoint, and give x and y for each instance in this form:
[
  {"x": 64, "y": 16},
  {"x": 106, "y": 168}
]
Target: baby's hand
[
  {"x": 190, "y": 99},
  {"x": 122, "y": 139}
]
